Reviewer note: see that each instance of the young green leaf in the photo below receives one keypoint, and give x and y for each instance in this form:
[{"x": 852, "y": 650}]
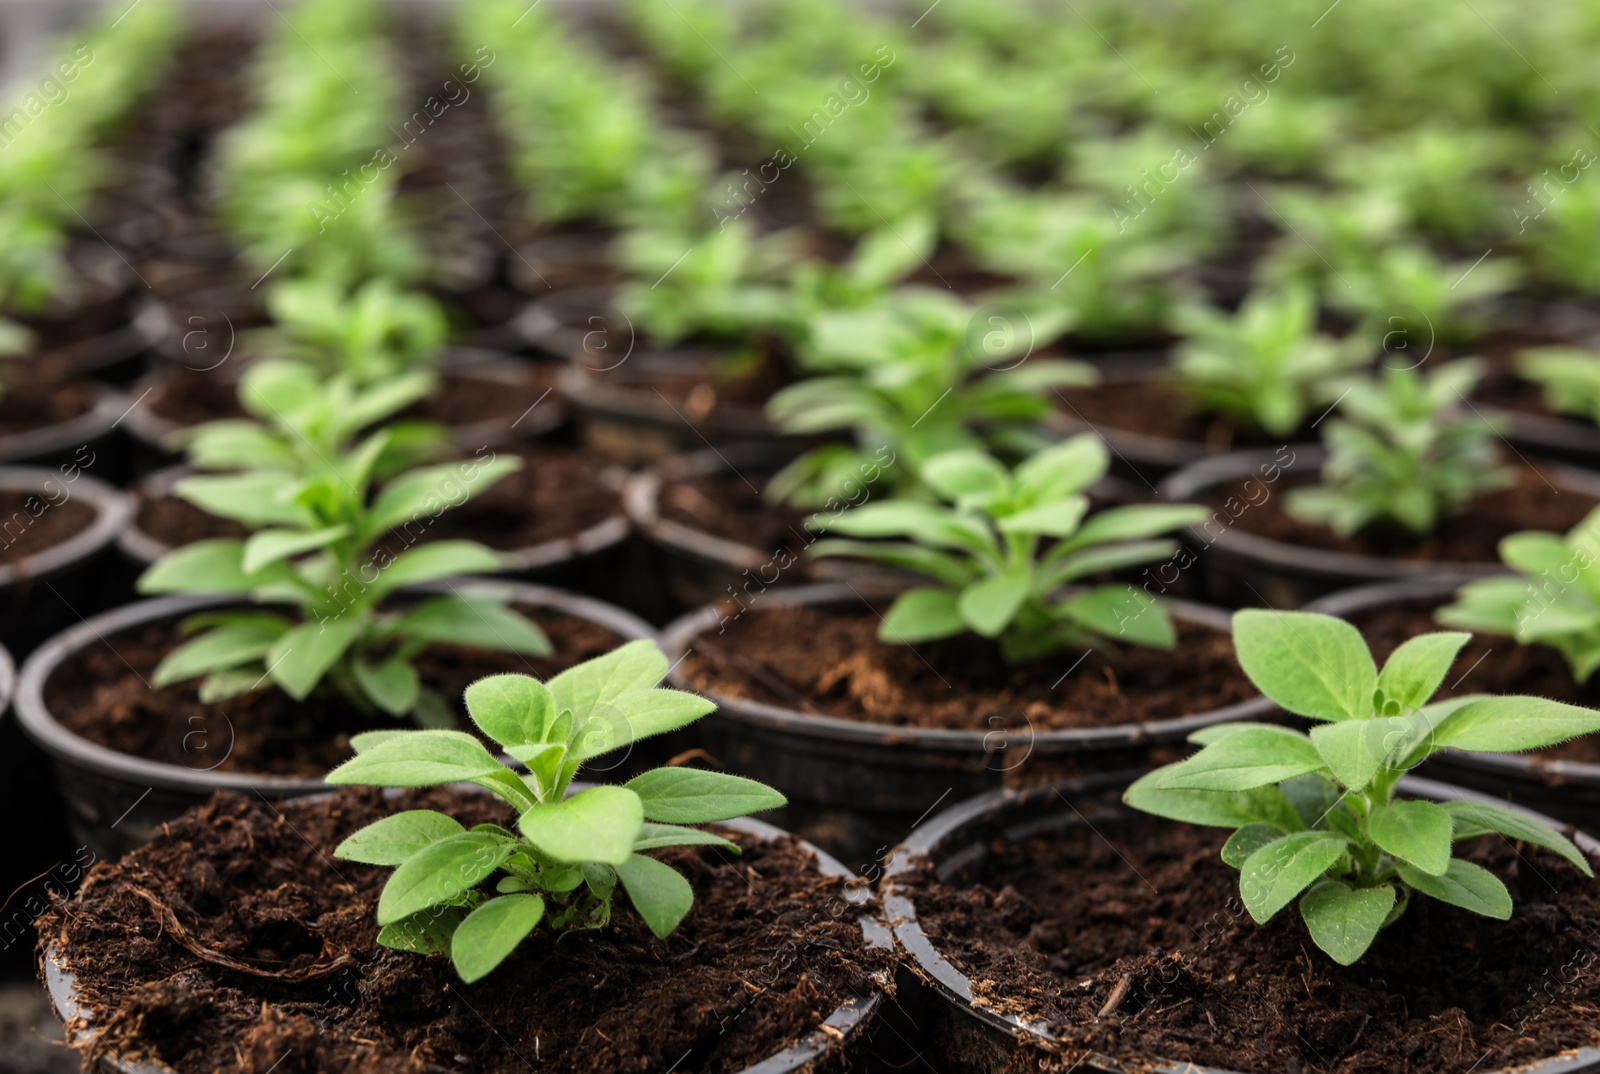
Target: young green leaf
[
  {"x": 514, "y": 710},
  {"x": 658, "y": 891},
  {"x": 491, "y": 932},
  {"x": 443, "y": 871},
  {"x": 1463, "y": 884},
  {"x": 1211, "y": 808},
  {"x": 1512, "y": 724},
  {"x": 635, "y": 715},
  {"x": 660, "y": 836},
  {"x": 1247, "y": 840},
  {"x": 418, "y": 759},
  {"x": 1344, "y": 920},
  {"x": 1251, "y": 757},
  {"x": 425, "y": 932},
  {"x": 1413, "y": 672},
  {"x": 922, "y": 615},
  {"x": 1281, "y": 870},
  {"x": 1312, "y": 665},
  {"x": 1470, "y": 819},
  {"x": 638, "y": 665},
  {"x": 597, "y": 825},
  {"x": 694, "y": 796},
  {"x": 1414, "y": 832},
  {"x": 393, "y": 839}
]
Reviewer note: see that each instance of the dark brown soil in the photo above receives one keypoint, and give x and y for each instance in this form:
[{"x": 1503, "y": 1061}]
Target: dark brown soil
[
  {"x": 559, "y": 493},
  {"x": 102, "y": 693},
  {"x": 1472, "y": 536},
  {"x": 1151, "y": 407},
  {"x": 697, "y": 393},
  {"x": 1059, "y": 922},
  {"x": 731, "y": 507},
  {"x": 33, "y": 396},
  {"x": 30, "y": 523},
  {"x": 188, "y": 398},
  {"x": 264, "y": 951},
  {"x": 1488, "y": 665},
  {"x": 60, "y": 339},
  {"x": 829, "y": 661},
  {"x": 176, "y": 522}
]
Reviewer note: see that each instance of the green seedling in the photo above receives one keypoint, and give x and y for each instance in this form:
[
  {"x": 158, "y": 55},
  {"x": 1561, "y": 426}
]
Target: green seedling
[
  {"x": 1316, "y": 816},
  {"x": 1003, "y": 546},
  {"x": 561, "y": 868}
]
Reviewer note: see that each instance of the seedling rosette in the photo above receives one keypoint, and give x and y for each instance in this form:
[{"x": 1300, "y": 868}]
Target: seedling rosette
[
  {"x": 562, "y": 866},
  {"x": 1315, "y": 814}
]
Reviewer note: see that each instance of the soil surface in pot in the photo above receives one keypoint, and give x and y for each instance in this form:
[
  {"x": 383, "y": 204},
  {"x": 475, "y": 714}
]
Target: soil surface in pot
[
  {"x": 102, "y": 694},
  {"x": 265, "y": 952},
  {"x": 828, "y": 661},
  {"x": 1471, "y": 536},
  {"x": 731, "y": 506},
  {"x": 1060, "y": 922},
  {"x": 697, "y": 393},
  {"x": 558, "y": 493},
  {"x": 1158, "y": 408},
  {"x": 187, "y": 397},
  {"x": 1488, "y": 665},
  {"x": 30, "y": 524},
  {"x": 33, "y": 396}
]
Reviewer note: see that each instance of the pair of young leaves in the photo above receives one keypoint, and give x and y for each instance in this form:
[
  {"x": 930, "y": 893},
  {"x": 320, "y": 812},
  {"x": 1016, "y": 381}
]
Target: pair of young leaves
[
  {"x": 1315, "y": 813},
  {"x": 564, "y": 862},
  {"x": 1553, "y": 600},
  {"x": 321, "y": 549},
  {"x": 1007, "y": 544}
]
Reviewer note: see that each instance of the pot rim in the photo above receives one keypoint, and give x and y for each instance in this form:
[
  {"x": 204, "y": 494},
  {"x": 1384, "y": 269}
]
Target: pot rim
[
  {"x": 852, "y": 1015},
  {"x": 587, "y": 391},
  {"x": 40, "y": 725},
  {"x": 1517, "y": 766},
  {"x": 1190, "y": 483},
  {"x": 677, "y": 638},
  {"x": 144, "y": 548},
  {"x": 956, "y": 988},
  {"x": 153, "y": 430},
  {"x": 109, "y": 408},
  {"x": 112, "y": 511},
  {"x": 641, "y": 499}
]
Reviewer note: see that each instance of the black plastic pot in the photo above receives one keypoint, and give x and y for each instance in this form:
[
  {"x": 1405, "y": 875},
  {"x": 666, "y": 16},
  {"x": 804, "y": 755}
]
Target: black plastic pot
[
  {"x": 837, "y": 1038},
  {"x": 1562, "y": 788},
  {"x": 942, "y": 1001},
  {"x": 1243, "y": 569},
  {"x": 154, "y": 432},
  {"x": 558, "y": 556},
  {"x": 856, "y": 787},
  {"x": 698, "y": 567},
  {"x": 42, "y": 593},
  {"x": 84, "y": 436},
  {"x": 1548, "y": 436},
  {"x": 116, "y": 800},
  {"x": 610, "y": 377}
]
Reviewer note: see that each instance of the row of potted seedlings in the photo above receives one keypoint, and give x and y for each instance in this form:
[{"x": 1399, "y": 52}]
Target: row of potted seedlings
[{"x": 1003, "y": 604}]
